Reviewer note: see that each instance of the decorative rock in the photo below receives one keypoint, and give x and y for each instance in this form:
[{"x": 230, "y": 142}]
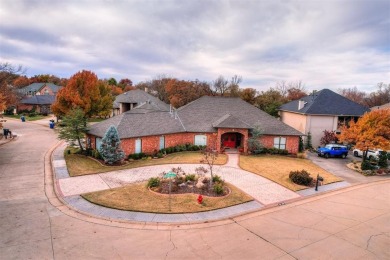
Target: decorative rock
[{"x": 182, "y": 184}]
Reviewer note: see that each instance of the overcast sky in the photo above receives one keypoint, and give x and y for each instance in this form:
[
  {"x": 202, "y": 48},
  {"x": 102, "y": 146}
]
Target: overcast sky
[{"x": 326, "y": 43}]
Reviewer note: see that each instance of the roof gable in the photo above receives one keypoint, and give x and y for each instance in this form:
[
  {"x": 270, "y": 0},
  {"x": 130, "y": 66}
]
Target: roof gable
[
  {"x": 138, "y": 96},
  {"x": 325, "y": 102},
  {"x": 229, "y": 121}
]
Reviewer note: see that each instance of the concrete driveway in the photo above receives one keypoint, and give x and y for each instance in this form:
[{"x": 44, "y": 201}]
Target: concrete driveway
[
  {"x": 338, "y": 167},
  {"x": 349, "y": 224}
]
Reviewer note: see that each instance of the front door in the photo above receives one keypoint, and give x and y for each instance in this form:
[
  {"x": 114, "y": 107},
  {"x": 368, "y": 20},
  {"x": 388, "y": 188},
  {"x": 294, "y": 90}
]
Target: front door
[{"x": 229, "y": 140}]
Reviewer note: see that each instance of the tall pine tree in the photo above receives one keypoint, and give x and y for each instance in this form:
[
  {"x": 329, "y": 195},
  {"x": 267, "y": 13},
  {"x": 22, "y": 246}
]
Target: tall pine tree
[{"x": 110, "y": 149}]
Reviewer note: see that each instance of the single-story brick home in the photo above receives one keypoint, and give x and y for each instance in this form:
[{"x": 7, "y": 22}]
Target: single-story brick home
[{"x": 219, "y": 122}]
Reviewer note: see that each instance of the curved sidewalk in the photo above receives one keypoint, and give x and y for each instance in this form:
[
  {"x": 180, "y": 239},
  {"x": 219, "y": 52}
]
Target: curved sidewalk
[{"x": 264, "y": 191}]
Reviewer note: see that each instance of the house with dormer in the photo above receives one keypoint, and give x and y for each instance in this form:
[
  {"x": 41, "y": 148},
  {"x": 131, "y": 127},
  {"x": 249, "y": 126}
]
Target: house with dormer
[
  {"x": 320, "y": 111},
  {"x": 218, "y": 122}
]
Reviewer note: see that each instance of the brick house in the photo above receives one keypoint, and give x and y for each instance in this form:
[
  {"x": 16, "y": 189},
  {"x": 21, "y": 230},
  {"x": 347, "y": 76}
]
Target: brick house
[
  {"x": 38, "y": 96},
  {"x": 219, "y": 122}
]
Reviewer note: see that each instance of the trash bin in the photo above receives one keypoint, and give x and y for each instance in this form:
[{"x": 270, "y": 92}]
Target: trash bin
[
  {"x": 51, "y": 125},
  {"x": 5, "y": 132},
  {"x": 23, "y": 118}
]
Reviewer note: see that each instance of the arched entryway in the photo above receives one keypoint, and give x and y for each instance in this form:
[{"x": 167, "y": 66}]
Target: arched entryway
[{"x": 232, "y": 140}]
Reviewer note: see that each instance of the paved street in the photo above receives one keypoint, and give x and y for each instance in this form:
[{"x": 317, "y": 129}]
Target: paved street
[{"x": 352, "y": 223}]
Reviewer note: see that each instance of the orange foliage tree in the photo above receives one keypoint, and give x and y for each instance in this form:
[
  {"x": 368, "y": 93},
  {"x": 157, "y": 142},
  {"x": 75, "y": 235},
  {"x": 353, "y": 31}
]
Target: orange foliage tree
[
  {"x": 371, "y": 131},
  {"x": 84, "y": 90}
]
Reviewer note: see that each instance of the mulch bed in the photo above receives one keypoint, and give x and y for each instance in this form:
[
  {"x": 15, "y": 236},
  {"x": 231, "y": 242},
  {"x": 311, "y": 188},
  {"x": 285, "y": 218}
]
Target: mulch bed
[{"x": 189, "y": 188}]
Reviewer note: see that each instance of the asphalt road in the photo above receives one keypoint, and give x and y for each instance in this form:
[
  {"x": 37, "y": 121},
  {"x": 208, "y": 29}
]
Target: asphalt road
[{"x": 348, "y": 224}]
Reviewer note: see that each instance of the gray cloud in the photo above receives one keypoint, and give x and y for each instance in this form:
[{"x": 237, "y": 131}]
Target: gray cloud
[{"x": 323, "y": 43}]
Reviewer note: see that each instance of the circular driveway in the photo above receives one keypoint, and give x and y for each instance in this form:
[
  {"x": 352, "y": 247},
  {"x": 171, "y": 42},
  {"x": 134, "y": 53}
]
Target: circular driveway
[{"x": 350, "y": 224}]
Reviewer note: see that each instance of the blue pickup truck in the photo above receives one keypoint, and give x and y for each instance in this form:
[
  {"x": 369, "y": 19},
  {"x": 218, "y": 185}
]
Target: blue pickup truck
[{"x": 333, "y": 150}]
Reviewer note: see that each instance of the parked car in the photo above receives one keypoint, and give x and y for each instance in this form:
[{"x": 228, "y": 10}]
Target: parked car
[
  {"x": 333, "y": 150},
  {"x": 371, "y": 154}
]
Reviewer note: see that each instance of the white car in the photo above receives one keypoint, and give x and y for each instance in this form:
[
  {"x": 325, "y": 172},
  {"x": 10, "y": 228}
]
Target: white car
[{"x": 371, "y": 154}]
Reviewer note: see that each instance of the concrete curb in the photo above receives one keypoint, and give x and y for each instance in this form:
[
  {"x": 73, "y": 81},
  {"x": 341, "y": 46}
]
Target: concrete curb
[{"x": 99, "y": 215}]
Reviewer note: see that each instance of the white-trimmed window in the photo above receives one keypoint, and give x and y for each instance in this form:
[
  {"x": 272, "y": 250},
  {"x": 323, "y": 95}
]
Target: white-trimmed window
[
  {"x": 162, "y": 142},
  {"x": 138, "y": 145},
  {"x": 280, "y": 142},
  {"x": 200, "y": 140}
]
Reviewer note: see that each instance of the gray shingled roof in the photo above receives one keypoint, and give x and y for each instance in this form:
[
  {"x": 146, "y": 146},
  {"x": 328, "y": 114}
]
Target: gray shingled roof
[
  {"x": 229, "y": 121},
  {"x": 139, "y": 96},
  {"x": 37, "y": 86},
  {"x": 326, "y": 102},
  {"x": 144, "y": 120},
  {"x": 205, "y": 114},
  {"x": 199, "y": 116},
  {"x": 39, "y": 100}
]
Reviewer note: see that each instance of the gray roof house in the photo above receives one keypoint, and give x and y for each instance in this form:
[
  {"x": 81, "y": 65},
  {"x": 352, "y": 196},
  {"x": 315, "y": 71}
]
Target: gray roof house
[
  {"x": 130, "y": 99},
  {"x": 40, "y": 89},
  {"x": 320, "y": 111},
  {"x": 228, "y": 120}
]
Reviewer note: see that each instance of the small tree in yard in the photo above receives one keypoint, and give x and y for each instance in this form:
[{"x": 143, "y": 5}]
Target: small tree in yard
[
  {"x": 329, "y": 137},
  {"x": 254, "y": 143},
  {"x": 308, "y": 143},
  {"x": 74, "y": 128},
  {"x": 209, "y": 157},
  {"x": 110, "y": 149}
]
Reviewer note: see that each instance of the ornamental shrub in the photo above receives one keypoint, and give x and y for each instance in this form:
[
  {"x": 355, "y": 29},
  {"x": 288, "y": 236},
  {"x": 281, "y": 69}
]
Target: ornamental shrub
[
  {"x": 110, "y": 149},
  {"x": 218, "y": 188},
  {"x": 190, "y": 177},
  {"x": 153, "y": 182},
  {"x": 382, "y": 162},
  {"x": 301, "y": 177}
]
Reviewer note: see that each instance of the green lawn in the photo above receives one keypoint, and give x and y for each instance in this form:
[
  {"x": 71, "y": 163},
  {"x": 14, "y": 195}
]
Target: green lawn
[
  {"x": 82, "y": 165},
  {"x": 28, "y": 118}
]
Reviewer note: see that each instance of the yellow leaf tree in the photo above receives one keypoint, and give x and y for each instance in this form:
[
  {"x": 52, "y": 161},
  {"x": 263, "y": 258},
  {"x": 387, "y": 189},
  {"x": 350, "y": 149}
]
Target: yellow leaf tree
[{"x": 370, "y": 131}]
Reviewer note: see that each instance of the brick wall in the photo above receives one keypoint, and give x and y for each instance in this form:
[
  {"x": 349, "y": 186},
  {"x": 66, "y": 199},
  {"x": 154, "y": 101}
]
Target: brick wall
[
  {"x": 292, "y": 142},
  {"x": 43, "y": 91},
  {"x": 244, "y": 140},
  {"x": 150, "y": 144}
]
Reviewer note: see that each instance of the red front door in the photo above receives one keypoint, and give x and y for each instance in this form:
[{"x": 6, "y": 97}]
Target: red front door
[{"x": 229, "y": 140}]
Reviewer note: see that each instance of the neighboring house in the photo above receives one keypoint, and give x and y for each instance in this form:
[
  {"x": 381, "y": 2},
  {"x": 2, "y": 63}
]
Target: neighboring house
[
  {"x": 38, "y": 96},
  {"x": 219, "y": 122},
  {"x": 385, "y": 106},
  {"x": 40, "y": 89},
  {"x": 130, "y": 99},
  {"x": 320, "y": 111},
  {"x": 42, "y": 104}
]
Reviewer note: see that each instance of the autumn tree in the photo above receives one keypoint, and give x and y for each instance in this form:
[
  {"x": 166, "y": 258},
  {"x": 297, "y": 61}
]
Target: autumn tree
[
  {"x": 8, "y": 73},
  {"x": 123, "y": 83},
  {"x": 182, "y": 92},
  {"x": 291, "y": 90},
  {"x": 354, "y": 94},
  {"x": 379, "y": 97},
  {"x": 370, "y": 131},
  {"x": 85, "y": 91},
  {"x": 21, "y": 82},
  {"x": 270, "y": 101},
  {"x": 220, "y": 85},
  {"x": 328, "y": 137},
  {"x": 45, "y": 78},
  {"x": 248, "y": 95}
]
